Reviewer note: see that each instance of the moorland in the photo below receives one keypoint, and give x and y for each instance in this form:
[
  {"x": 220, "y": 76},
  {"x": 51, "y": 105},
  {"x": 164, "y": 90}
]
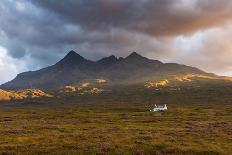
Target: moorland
[{"x": 118, "y": 121}]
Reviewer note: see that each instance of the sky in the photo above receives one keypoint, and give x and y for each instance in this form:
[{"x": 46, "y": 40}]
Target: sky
[{"x": 37, "y": 33}]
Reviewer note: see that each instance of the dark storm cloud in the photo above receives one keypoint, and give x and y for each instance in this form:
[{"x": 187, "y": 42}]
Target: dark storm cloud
[
  {"x": 44, "y": 24},
  {"x": 153, "y": 17},
  {"x": 40, "y": 32}
]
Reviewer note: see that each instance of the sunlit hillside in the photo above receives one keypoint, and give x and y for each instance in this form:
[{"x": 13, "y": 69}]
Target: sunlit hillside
[{"x": 22, "y": 94}]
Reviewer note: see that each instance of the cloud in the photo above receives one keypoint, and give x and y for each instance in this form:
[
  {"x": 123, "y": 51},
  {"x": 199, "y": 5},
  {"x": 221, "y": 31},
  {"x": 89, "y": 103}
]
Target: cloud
[
  {"x": 193, "y": 32},
  {"x": 153, "y": 17},
  {"x": 209, "y": 49},
  {"x": 9, "y": 67}
]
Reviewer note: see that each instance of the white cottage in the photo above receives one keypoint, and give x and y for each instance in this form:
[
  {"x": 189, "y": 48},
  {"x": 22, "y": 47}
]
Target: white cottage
[{"x": 159, "y": 108}]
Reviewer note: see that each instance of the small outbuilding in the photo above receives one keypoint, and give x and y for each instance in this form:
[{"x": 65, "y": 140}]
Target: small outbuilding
[{"x": 159, "y": 108}]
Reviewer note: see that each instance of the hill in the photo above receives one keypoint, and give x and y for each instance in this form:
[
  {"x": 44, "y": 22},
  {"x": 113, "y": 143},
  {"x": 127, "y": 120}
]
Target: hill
[
  {"x": 22, "y": 94},
  {"x": 73, "y": 69}
]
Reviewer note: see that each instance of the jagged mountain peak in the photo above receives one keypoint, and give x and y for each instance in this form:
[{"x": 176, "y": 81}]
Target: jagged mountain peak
[
  {"x": 72, "y": 58},
  {"x": 135, "y": 55},
  {"x": 74, "y": 68},
  {"x": 108, "y": 60},
  {"x": 72, "y": 52},
  {"x": 112, "y": 57},
  {"x": 73, "y": 55}
]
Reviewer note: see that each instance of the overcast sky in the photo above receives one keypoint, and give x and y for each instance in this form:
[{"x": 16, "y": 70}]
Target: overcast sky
[{"x": 37, "y": 33}]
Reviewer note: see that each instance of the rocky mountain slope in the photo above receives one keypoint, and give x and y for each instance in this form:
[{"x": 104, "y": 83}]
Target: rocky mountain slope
[{"x": 73, "y": 69}]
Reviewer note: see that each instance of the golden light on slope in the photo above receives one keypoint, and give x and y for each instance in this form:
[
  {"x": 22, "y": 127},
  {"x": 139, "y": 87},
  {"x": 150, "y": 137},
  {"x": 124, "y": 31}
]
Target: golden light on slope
[
  {"x": 189, "y": 77},
  {"x": 68, "y": 89},
  {"x": 22, "y": 94},
  {"x": 84, "y": 88},
  {"x": 84, "y": 85},
  {"x": 96, "y": 90},
  {"x": 5, "y": 95},
  {"x": 101, "y": 81},
  {"x": 158, "y": 84},
  {"x": 183, "y": 78}
]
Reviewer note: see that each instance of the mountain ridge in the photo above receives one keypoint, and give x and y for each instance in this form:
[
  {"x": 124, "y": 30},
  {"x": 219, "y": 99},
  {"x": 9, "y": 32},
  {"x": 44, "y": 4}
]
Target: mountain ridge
[{"x": 74, "y": 68}]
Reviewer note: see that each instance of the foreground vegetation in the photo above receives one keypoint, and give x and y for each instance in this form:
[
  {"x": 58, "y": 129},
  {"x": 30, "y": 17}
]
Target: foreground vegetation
[{"x": 198, "y": 122}]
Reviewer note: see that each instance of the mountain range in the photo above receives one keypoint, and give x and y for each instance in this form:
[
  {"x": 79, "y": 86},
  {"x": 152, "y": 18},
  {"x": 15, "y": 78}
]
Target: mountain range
[{"x": 73, "y": 69}]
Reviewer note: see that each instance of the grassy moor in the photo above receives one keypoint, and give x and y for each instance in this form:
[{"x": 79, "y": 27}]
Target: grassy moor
[{"x": 198, "y": 122}]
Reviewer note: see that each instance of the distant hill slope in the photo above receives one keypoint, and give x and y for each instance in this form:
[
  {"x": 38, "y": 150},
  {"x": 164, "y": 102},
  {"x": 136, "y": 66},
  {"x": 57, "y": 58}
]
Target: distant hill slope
[
  {"x": 73, "y": 68},
  {"x": 22, "y": 94}
]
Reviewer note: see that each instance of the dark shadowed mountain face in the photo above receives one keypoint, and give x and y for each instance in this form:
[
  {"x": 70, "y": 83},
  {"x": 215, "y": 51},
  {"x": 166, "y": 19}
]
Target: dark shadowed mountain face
[{"x": 73, "y": 69}]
